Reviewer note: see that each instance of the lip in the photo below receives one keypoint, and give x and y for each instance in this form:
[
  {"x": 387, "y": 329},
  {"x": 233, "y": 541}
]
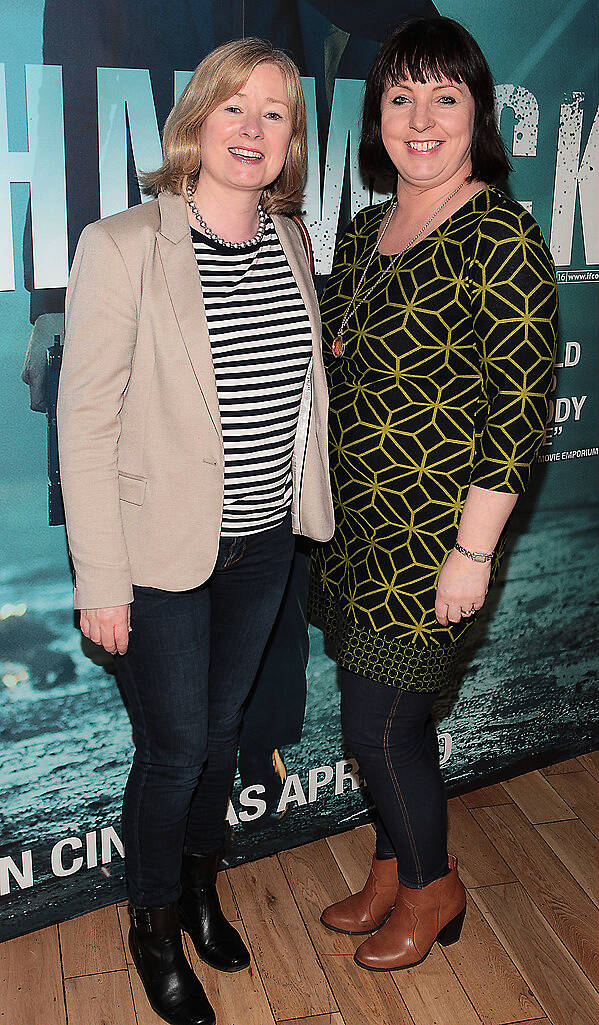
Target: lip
[
  {"x": 428, "y": 145},
  {"x": 251, "y": 156}
]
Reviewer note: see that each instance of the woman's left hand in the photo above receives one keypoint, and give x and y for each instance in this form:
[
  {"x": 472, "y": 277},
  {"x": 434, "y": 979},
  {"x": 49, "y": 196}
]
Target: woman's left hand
[{"x": 461, "y": 589}]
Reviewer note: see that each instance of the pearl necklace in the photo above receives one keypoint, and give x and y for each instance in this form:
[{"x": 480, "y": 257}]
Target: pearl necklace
[
  {"x": 216, "y": 238},
  {"x": 337, "y": 345}
]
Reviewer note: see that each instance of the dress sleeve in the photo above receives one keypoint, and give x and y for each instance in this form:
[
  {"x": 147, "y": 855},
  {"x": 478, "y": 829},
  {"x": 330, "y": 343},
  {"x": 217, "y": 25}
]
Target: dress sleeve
[{"x": 514, "y": 307}]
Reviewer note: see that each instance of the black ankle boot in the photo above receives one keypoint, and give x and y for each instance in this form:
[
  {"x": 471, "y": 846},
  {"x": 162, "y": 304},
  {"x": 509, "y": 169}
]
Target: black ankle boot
[
  {"x": 215, "y": 939},
  {"x": 172, "y": 989}
]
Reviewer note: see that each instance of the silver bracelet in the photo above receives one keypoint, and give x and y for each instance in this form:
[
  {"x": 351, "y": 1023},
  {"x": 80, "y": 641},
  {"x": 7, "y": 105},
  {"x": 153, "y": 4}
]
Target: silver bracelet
[{"x": 475, "y": 556}]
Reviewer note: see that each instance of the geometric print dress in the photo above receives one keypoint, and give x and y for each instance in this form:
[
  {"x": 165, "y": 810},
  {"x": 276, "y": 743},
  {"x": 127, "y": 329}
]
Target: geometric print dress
[{"x": 443, "y": 382}]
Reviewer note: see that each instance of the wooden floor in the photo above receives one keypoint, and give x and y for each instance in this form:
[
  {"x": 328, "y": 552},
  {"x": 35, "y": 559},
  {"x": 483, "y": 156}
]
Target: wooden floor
[{"x": 528, "y": 951}]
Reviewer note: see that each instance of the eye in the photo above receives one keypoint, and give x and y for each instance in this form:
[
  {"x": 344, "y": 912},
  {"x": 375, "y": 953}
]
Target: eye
[
  {"x": 400, "y": 101},
  {"x": 273, "y": 115},
  {"x": 233, "y": 109},
  {"x": 447, "y": 101}
]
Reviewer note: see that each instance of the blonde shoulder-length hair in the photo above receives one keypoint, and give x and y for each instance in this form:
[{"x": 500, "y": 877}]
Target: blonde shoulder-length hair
[{"x": 220, "y": 75}]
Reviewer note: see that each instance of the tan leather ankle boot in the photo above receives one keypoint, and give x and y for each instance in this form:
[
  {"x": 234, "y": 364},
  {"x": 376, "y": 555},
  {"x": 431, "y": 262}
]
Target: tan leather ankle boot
[
  {"x": 418, "y": 919},
  {"x": 367, "y": 910}
]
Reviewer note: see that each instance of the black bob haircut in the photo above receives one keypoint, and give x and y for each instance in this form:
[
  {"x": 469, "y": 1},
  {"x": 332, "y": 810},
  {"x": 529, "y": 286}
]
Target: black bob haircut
[{"x": 433, "y": 48}]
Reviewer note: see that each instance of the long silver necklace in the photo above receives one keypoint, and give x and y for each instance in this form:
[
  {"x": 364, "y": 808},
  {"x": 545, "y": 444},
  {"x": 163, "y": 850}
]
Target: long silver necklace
[
  {"x": 216, "y": 238},
  {"x": 337, "y": 344}
]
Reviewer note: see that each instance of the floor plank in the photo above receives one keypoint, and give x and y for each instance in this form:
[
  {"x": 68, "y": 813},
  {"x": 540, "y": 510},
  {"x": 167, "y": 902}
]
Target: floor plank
[
  {"x": 536, "y": 797},
  {"x": 226, "y": 897},
  {"x": 293, "y": 979},
  {"x": 319, "y": 1019},
  {"x": 569, "y": 765},
  {"x": 433, "y": 994},
  {"x": 497, "y": 990},
  {"x": 316, "y": 881},
  {"x": 486, "y": 796},
  {"x": 31, "y": 981},
  {"x": 480, "y": 863},
  {"x": 364, "y": 997},
  {"x": 100, "y": 999},
  {"x": 559, "y": 984},
  {"x": 578, "y": 849},
  {"x": 353, "y": 853},
  {"x": 92, "y": 943},
  {"x": 561, "y": 900},
  {"x": 590, "y": 762},
  {"x": 124, "y": 923},
  {"x": 580, "y": 791},
  {"x": 238, "y": 998}
]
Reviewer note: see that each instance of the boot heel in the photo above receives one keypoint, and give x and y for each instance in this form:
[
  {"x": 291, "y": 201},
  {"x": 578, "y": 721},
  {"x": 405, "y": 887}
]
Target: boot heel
[{"x": 451, "y": 932}]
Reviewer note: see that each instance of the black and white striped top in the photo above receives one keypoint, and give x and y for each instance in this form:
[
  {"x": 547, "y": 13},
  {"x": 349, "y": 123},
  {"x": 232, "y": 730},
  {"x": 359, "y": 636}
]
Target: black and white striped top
[{"x": 261, "y": 347}]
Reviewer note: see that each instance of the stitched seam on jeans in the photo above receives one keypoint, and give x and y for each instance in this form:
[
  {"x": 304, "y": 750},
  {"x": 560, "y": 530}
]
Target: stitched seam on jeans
[
  {"x": 138, "y": 828},
  {"x": 141, "y": 788},
  {"x": 397, "y": 788}
]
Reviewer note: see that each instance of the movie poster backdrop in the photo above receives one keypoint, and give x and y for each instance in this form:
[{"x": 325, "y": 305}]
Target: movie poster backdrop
[{"x": 84, "y": 91}]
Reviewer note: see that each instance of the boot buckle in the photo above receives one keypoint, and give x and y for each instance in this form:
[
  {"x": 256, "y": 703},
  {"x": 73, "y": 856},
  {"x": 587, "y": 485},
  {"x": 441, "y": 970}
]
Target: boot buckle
[{"x": 141, "y": 917}]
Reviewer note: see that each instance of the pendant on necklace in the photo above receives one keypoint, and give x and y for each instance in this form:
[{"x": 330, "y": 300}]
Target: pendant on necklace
[{"x": 338, "y": 346}]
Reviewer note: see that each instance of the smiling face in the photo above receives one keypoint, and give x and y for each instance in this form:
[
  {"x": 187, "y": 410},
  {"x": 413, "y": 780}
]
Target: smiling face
[
  {"x": 426, "y": 128},
  {"x": 244, "y": 141}
]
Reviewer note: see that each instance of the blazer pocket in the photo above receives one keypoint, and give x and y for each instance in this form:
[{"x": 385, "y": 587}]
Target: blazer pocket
[{"x": 132, "y": 489}]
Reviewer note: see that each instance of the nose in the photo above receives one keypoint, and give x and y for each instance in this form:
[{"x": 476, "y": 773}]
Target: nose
[
  {"x": 252, "y": 126},
  {"x": 421, "y": 116}
]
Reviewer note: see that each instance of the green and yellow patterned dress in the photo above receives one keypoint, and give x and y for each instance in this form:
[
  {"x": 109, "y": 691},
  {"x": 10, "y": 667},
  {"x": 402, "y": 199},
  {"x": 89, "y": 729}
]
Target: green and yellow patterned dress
[{"x": 443, "y": 383}]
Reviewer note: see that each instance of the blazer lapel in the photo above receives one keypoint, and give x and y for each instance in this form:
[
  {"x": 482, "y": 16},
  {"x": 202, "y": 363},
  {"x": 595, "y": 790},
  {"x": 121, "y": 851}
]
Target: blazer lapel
[{"x": 185, "y": 290}]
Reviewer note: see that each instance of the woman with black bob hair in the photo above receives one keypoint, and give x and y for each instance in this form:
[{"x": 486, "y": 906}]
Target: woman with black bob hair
[
  {"x": 439, "y": 49},
  {"x": 439, "y": 329}
]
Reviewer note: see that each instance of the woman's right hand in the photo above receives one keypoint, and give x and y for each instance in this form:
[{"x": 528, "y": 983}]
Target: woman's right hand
[{"x": 108, "y": 627}]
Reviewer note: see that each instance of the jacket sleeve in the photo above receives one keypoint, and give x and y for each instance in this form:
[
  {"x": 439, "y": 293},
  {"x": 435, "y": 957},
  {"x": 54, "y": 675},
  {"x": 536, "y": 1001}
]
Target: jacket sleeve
[
  {"x": 514, "y": 306},
  {"x": 100, "y": 334}
]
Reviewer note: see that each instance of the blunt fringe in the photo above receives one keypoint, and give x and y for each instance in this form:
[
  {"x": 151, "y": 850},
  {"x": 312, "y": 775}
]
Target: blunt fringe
[
  {"x": 221, "y": 74},
  {"x": 433, "y": 48}
]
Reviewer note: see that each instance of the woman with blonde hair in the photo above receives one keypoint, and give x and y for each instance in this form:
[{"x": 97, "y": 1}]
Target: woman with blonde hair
[{"x": 192, "y": 424}]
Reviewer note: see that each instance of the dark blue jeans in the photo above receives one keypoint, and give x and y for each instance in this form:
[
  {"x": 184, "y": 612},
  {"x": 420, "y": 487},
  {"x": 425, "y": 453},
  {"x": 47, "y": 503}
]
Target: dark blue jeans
[
  {"x": 392, "y": 734},
  {"x": 191, "y": 662}
]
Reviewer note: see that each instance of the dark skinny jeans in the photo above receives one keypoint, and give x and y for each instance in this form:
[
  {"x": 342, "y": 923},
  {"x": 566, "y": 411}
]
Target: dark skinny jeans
[
  {"x": 191, "y": 662},
  {"x": 393, "y": 737}
]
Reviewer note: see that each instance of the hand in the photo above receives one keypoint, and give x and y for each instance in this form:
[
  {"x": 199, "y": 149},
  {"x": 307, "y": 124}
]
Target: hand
[
  {"x": 35, "y": 367},
  {"x": 461, "y": 589},
  {"x": 108, "y": 627}
]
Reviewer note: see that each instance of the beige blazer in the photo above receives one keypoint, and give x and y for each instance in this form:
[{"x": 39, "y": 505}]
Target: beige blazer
[{"x": 140, "y": 442}]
